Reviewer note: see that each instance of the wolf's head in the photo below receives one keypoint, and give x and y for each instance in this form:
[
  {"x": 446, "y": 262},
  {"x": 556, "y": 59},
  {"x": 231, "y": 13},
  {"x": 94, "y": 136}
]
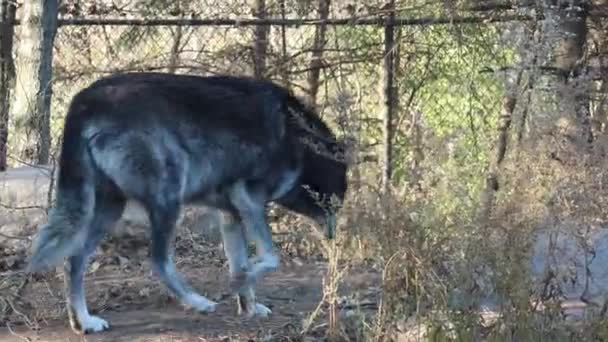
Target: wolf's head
[{"x": 322, "y": 185}]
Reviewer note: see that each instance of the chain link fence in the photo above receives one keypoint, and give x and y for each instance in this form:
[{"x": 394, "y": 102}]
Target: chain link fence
[
  {"x": 444, "y": 73},
  {"x": 454, "y": 81}
]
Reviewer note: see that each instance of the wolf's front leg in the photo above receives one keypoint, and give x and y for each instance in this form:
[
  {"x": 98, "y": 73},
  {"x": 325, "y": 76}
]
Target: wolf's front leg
[
  {"x": 251, "y": 210},
  {"x": 235, "y": 248},
  {"x": 163, "y": 220}
]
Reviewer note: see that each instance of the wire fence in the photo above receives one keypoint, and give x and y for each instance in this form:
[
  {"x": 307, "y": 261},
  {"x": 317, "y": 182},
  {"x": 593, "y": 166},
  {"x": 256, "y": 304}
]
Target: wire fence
[
  {"x": 442, "y": 70},
  {"x": 460, "y": 83},
  {"x": 451, "y": 67}
]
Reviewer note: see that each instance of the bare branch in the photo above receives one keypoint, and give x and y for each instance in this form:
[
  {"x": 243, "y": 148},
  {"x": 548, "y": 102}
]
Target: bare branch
[{"x": 11, "y": 237}]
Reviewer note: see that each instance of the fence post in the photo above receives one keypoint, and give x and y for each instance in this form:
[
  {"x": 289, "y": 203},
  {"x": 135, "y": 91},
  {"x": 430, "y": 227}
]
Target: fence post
[
  {"x": 317, "y": 52},
  {"x": 260, "y": 45},
  {"x": 7, "y": 72},
  {"x": 388, "y": 95},
  {"x": 284, "y": 56},
  {"x": 34, "y": 69}
]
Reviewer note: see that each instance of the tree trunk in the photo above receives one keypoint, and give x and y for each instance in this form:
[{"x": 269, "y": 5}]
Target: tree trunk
[
  {"x": 418, "y": 152},
  {"x": 316, "y": 61},
  {"x": 261, "y": 41},
  {"x": 284, "y": 57},
  {"x": 600, "y": 115},
  {"x": 388, "y": 95},
  {"x": 536, "y": 41},
  {"x": 7, "y": 72},
  {"x": 33, "y": 90},
  {"x": 175, "y": 50},
  {"x": 177, "y": 42},
  {"x": 572, "y": 36},
  {"x": 504, "y": 125},
  {"x": 573, "y": 92}
]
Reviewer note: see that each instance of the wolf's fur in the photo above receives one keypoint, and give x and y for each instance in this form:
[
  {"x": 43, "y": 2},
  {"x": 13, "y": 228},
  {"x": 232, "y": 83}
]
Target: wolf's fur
[{"x": 165, "y": 140}]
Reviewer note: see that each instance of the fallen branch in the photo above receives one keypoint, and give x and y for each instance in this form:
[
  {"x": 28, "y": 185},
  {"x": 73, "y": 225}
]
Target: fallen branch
[
  {"x": 11, "y": 237},
  {"x": 10, "y": 330},
  {"x": 26, "y": 207}
]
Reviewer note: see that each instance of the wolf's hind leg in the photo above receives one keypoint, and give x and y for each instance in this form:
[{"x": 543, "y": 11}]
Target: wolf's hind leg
[
  {"x": 235, "y": 248},
  {"x": 107, "y": 212},
  {"x": 163, "y": 219}
]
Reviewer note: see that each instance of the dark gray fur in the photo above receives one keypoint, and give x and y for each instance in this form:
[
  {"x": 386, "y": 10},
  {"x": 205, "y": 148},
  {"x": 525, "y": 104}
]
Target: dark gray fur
[{"x": 233, "y": 143}]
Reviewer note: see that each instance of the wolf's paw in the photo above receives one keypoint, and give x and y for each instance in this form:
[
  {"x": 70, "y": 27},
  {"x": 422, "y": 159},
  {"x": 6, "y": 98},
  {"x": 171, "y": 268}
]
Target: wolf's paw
[
  {"x": 200, "y": 303},
  {"x": 256, "y": 310},
  {"x": 89, "y": 324},
  {"x": 260, "y": 310},
  {"x": 263, "y": 264}
]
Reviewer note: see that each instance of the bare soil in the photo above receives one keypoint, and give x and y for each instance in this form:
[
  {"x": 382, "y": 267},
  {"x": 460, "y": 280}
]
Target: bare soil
[
  {"x": 121, "y": 289},
  {"x": 137, "y": 315}
]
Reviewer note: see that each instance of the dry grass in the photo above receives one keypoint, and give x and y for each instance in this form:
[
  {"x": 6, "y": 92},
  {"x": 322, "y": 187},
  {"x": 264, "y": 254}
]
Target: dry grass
[{"x": 436, "y": 271}]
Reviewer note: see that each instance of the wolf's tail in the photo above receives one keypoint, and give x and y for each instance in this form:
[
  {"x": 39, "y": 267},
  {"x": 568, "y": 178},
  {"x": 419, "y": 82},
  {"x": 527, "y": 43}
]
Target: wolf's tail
[{"x": 66, "y": 231}]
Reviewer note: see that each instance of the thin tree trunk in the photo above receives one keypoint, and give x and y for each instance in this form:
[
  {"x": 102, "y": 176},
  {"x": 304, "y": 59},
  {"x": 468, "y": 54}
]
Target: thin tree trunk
[
  {"x": 260, "y": 47},
  {"x": 504, "y": 125},
  {"x": 284, "y": 56},
  {"x": 175, "y": 50},
  {"x": 418, "y": 153},
  {"x": 7, "y": 73},
  {"x": 388, "y": 96},
  {"x": 572, "y": 25},
  {"x": 600, "y": 115},
  {"x": 582, "y": 103},
  {"x": 177, "y": 42},
  {"x": 570, "y": 59},
  {"x": 316, "y": 61},
  {"x": 33, "y": 88},
  {"x": 535, "y": 38}
]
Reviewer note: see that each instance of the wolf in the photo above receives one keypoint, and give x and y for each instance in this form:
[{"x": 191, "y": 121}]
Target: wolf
[{"x": 233, "y": 143}]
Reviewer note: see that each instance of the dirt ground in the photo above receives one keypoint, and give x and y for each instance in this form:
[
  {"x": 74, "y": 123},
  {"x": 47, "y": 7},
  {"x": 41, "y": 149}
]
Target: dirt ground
[
  {"x": 121, "y": 289},
  {"x": 139, "y": 316}
]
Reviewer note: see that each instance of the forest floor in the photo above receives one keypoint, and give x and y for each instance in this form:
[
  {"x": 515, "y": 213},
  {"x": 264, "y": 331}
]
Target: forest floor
[{"x": 138, "y": 308}]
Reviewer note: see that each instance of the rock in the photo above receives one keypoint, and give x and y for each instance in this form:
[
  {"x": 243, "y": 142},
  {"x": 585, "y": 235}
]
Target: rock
[{"x": 577, "y": 260}]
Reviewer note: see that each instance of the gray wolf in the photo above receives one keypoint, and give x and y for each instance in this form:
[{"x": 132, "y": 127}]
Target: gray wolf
[{"x": 164, "y": 140}]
